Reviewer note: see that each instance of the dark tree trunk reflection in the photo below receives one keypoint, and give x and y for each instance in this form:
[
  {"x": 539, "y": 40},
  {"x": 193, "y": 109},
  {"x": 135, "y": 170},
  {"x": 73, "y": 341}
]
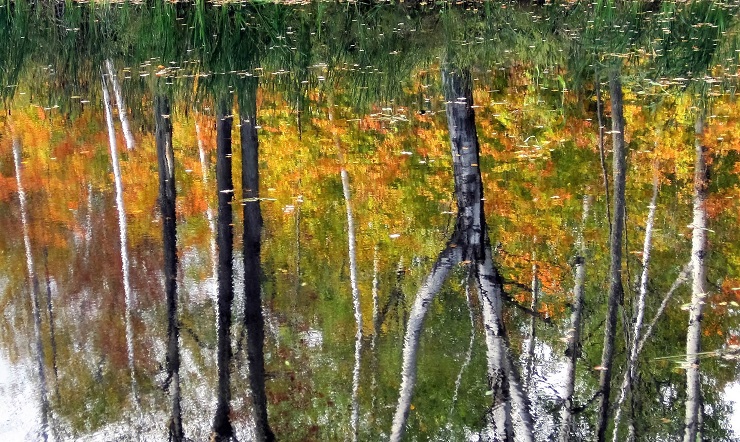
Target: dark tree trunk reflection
[
  {"x": 222, "y": 429},
  {"x": 470, "y": 225},
  {"x": 616, "y": 290},
  {"x": 254, "y": 321},
  {"x": 167, "y": 197}
]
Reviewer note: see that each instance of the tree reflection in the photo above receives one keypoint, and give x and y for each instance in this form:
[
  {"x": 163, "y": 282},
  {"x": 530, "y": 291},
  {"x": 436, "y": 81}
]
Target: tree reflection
[
  {"x": 129, "y": 295},
  {"x": 167, "y": 203},
  {"x": 33, "y": 287},
  {"x": 468, "y": 244},
  {"x": 222, "y": 428},
  {"x": 254, "y": 321},
  {"x": 404, "y": 124}
]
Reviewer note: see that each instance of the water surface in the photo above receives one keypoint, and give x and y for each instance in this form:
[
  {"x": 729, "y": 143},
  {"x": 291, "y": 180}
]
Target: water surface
[{"x": 221, "y": 218}]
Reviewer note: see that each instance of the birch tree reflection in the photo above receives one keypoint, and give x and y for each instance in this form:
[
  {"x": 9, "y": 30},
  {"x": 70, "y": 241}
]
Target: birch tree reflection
[
  {"x": 129, "y": 295},
  {"x": 383, "y": 203},
  {"x": 33, "y": 287},
  {"x": 468, "y": 244}
]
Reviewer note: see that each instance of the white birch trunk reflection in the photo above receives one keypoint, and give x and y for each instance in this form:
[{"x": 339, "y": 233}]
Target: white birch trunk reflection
[
  {"x": 33, "y": 287},
  {"x": 376, "y": 326},
  {"x": 683, "y": 276},
  {"x": 88, "y": 223},
  {"x": 469, "y": 243},
  {"x": 297, "y": 228},
  {"x": 52, "y": 333},
  {"x": 531, "y": 341},
  {"x": 574, "y": 334},
  {"x": 631, "y": 371},
  {"x": 352, "y": 244},
  {"x": 501, "y": 422},
  {"x": 698, "y": 291},
  {"x": 433, "y": 282},
  {"x": 123, "y": 234},
  {"x": 128, "y": 135},
  {"x": 376, "y": 298},
  {"x": 352, "y": 252}
]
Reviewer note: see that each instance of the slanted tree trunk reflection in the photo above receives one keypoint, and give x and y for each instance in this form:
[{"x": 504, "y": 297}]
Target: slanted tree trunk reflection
[
  {"x": 33, "y": 287},
  {"x": 449, "y": 257},
  {"x": 682, "y": 277},
  {"x": 501, "y": 361},
  {"x": 631, "y": 371},
  {"x": 254, "y": 321},
  {"x": 698, "y": 290},
  {"x": 222, "y": 429},
  {"x": 123, "y": 231},
  {"x": 616, "y": 290},
  {"x": 602, "y": 153},
  {"x": 128, "y": 134},
  {"x": 501, "y": 424},
  {"x": 167, "y": 202}
]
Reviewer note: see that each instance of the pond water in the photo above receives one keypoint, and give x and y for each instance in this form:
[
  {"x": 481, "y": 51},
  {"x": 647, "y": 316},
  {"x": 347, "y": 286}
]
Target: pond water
[{"x": 359, "y": 221}]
